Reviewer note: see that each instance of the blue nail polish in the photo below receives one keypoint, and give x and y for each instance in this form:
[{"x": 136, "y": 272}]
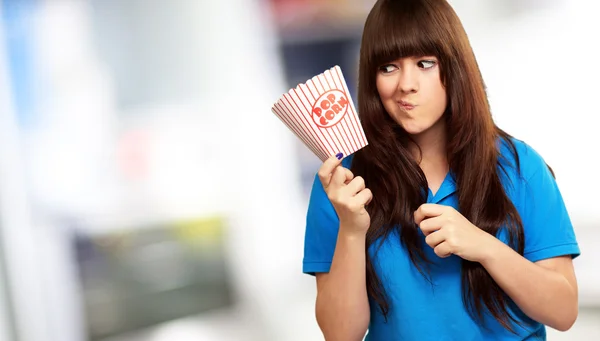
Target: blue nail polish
[{"x": 339, "y": 156}]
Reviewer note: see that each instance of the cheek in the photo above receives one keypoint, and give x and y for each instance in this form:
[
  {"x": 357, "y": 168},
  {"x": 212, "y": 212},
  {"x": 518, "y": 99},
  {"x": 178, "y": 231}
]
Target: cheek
[
  {"x": 441, "y": 97},
  {"x": 437, "y": 94},
  {"x": 385, "y": 88}
]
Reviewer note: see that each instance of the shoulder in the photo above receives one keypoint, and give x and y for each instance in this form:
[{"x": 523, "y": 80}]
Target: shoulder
[{"x": 520, "y": 160}]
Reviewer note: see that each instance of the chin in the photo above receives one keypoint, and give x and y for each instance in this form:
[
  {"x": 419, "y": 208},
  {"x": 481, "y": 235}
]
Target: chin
[{"x": 414, "y": 129}]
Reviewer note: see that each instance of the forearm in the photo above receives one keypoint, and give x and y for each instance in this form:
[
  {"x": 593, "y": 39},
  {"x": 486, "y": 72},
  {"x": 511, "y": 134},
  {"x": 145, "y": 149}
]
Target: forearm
[
  {"x": 544, "y": 295},
  {"x": 342, "y": 302}
]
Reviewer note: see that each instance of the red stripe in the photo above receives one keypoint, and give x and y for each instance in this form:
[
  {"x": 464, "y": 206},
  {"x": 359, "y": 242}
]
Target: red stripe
[
  {"x": 337, "y": 137},
  {"x": 347, "y": 119},
  {"x": 357, "y": 125},
  {"x": 308, "y": 110},
  {"x": 348, "y": 136},
  {"x": 305, "y": 131},
  {"x": 308, "y": 120},
  {"x": 312, "y": 94},
  {"x": 298, "y": 132},
  {"x": 325, "y": 129},
  {"x": 343, "y": 135},
  {"x": 298, "y": 113}
]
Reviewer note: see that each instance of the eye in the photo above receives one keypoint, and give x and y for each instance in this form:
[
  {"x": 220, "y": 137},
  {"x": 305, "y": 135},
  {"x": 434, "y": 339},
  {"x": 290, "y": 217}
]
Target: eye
[
  {"x": 426, "y": 64},
  {"x": 387, "y": 68}
]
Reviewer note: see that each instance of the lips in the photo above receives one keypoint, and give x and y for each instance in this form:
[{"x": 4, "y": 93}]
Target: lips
[{"x": 406, "y": 105}]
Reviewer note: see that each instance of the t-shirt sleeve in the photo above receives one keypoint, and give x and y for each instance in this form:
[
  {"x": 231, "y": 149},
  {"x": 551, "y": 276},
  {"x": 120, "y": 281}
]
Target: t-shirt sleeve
[
  {"x": 548, "y": 229},
  {"x": 322, "y": 224}
]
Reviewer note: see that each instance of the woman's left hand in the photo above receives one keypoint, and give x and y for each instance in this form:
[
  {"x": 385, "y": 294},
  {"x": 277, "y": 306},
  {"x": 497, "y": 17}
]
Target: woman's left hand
[{"x": 449, "y": 232}]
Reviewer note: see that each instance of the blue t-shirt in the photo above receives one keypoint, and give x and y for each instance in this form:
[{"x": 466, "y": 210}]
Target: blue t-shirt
[{"x": 420, "y": 310}]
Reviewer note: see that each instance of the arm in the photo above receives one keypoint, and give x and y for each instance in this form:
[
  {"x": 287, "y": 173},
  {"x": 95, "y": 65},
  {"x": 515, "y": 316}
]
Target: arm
[
  {"x": 542, "y": 282},
  {"x": 545, "y": 290},
  {"x": 342, "y": 307}
]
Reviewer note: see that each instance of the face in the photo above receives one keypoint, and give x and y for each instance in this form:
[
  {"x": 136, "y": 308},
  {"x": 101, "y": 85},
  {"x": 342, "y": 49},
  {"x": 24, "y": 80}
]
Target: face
[{"x": 412, "y": 93}]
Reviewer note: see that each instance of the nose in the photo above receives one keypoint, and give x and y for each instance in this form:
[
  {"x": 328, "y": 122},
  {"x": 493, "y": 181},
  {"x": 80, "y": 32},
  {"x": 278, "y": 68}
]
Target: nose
[{"x": 408, "y": 82}]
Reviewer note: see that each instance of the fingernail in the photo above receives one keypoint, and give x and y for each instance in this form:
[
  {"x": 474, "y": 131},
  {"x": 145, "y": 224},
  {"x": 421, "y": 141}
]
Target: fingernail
[{"x": 339, "y": 156}]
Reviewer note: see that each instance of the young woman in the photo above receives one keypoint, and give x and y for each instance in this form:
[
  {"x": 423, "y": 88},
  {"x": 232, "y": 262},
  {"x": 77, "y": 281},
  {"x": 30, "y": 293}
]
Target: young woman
[{"x": 444, "y": 227}]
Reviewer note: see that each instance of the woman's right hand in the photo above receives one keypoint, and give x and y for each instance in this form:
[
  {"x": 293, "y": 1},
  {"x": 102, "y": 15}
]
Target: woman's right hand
[{"x": 348, "y": 195}]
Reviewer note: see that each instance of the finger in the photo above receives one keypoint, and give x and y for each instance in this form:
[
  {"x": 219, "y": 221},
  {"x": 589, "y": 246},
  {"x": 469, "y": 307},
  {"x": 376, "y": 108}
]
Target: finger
[
  {"x": 341, "y": 176},
  {"x": 356, "y": 185},
  {"x": 443, "y": 250},
  {"x": 326, "y": 170},
  {"x": 428, "y": 210},
  {"x": 430, "y": 225},
  {"x": 435, "y": 238},
  {"x": 364, "y": 197}
]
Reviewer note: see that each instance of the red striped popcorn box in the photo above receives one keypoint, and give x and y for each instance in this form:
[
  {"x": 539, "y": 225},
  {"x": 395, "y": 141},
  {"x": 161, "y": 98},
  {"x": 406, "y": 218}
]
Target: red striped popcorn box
[{"x": 322, "y": 115}]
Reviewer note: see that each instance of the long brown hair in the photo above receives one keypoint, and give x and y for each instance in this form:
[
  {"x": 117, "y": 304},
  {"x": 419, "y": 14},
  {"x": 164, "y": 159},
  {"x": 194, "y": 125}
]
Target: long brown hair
[{"x": 396, "y": 29}]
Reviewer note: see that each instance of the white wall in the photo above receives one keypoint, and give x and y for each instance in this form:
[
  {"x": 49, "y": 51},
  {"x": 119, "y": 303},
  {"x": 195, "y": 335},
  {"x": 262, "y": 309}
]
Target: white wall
[
  {"x": 19, "y": 251},
  {"x": 260, "y": 170}
]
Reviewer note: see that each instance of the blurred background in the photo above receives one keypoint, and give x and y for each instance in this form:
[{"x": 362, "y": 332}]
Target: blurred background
[{"x": 147, "y": 192}]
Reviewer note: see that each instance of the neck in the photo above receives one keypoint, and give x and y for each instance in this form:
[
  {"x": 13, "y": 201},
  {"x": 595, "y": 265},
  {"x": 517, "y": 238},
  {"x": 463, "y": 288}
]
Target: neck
[{"x": 432, "y": 145}]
